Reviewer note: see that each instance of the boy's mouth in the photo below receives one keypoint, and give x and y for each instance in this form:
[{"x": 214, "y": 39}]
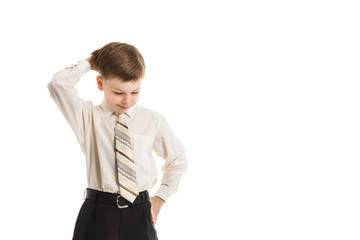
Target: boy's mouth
[{"x": 121, "y": 106}]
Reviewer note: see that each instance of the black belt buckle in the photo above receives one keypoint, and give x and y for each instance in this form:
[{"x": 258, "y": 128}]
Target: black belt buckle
[{"x": 119, "y": 205}]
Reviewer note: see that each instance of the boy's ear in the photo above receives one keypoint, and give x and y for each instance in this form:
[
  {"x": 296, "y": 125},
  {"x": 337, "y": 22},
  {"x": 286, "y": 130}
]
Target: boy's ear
[{"x": 100, "y": 82}]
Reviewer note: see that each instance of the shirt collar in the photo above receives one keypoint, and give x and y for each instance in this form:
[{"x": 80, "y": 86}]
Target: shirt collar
[{"x": 108, "y": 112}]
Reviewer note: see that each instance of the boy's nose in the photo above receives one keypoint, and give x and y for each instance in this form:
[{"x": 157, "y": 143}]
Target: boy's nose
[{"x": 126, "y": 100}]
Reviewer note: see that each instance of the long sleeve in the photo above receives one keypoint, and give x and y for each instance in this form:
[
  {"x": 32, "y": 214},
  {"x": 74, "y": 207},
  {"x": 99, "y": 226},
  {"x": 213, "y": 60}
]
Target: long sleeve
[
  {"x": 62, "y": 90},
  {"x": 168, "y": 147}
]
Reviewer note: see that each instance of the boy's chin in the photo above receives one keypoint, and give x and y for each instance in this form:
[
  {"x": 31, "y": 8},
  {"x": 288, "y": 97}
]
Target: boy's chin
[{"x": 120, "y": 111}]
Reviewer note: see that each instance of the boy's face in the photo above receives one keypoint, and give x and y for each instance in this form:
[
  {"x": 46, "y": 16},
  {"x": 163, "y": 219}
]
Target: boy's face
[{"x": 119, "y": 95}]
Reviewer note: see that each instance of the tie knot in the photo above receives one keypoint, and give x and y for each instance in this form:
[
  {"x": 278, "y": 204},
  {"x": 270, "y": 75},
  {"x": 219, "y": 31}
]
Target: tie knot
[{"x": 122, "y": 118}]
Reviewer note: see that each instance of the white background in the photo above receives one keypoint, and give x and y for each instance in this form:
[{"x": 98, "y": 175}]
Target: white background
[{"x": 264, "y": 96}]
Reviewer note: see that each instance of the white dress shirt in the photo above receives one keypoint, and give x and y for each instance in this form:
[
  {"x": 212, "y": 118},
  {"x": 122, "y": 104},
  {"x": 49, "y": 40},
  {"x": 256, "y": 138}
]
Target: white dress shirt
[{"x": 94, "y": 129}]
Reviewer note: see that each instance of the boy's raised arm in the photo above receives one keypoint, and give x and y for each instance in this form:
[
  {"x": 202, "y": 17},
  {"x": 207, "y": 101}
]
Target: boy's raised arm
[{"x": 62, "y": 91}]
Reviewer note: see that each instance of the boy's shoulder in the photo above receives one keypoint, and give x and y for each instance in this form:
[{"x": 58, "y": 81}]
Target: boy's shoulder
[{"x": 146, "y": 112}]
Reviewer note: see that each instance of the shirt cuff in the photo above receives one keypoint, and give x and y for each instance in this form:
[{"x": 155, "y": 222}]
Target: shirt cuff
[
  {"x": 164, "y": 192},
  {"x": 69, "y": 76},
  {"x": 84, "y": 66}
]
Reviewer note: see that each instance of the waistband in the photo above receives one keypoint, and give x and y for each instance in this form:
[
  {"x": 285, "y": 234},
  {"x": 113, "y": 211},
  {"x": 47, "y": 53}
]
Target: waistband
[{"x": 114, "y": 198}]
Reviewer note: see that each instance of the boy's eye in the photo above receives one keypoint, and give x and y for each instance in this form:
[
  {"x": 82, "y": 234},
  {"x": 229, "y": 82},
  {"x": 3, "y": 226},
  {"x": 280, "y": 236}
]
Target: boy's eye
[{"x": 119, "y": 93}]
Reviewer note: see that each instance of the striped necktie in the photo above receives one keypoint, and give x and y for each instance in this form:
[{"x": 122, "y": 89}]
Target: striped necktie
[{"x": 125, "y": 160}]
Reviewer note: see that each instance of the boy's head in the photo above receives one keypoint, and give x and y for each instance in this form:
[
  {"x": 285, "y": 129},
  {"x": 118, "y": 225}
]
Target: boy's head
[
  {"x": 121, "y": 69},
  {"x": 119, "y": 60}
]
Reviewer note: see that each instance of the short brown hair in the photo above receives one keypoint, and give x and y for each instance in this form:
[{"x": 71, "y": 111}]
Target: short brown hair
[{"x": 119, "y": 60}]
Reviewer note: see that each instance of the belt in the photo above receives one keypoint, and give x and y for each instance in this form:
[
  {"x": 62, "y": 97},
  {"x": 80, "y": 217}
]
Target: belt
[{"x": 114, "y": 198}]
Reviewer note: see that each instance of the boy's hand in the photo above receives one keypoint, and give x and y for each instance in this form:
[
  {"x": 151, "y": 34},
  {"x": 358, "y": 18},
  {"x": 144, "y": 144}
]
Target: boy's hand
[
  {"x": 156, "y": 204},
  {"x": 91, "y": 63}
]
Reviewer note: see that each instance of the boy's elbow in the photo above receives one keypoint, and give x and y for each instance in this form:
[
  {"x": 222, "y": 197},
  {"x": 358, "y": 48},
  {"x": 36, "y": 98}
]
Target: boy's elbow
[
  {"x": 51, "y": 89},
  {"x": 54, "y": 86},
  {"x": 185, "y": 163},
  {"x": 180, "y": 163},
  {"x": 50, "y": 85}
]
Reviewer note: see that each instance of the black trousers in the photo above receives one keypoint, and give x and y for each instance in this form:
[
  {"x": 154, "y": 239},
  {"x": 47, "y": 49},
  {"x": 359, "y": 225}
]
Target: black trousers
[{"x": 103, "y": 221}]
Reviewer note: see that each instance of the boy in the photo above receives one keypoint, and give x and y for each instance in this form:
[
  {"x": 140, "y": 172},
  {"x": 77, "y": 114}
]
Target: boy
[{"x": 117, "y": 138}]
